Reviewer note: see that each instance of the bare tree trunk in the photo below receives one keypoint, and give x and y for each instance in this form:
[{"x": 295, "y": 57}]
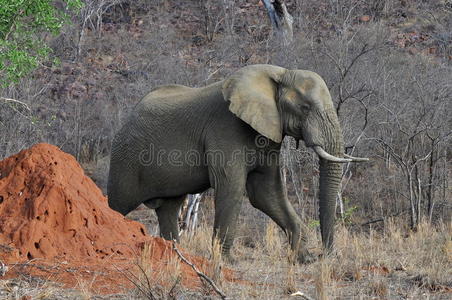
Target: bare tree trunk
[
  {"x": 431, "y": 190},
  {"x": 191, "y": 214},
  {"x": 419, "y": 195},
  {"x": 280, "y": 18},
  {"x": 413, "y": 215},
  {"x": 195, "y": 214},
  {"x": 445, "y": 178}
]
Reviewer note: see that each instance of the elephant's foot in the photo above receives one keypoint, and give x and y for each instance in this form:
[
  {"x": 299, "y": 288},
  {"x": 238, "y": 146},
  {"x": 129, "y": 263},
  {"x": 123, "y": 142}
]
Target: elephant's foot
[
  {"x": 225, "y": 256},
  {"x": 307, "y": 258},
  {"x": 303, "y": 257}
]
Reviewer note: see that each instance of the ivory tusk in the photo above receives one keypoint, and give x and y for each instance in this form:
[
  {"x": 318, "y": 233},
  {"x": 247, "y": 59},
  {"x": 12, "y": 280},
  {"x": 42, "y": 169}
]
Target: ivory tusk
[
  {"x": 356, "y": 159},
  {"x": 325, "y": 155}
]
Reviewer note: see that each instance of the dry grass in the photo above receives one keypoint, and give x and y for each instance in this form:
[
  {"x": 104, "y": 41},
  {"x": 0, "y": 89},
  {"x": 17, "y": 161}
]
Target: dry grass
[
  {"x": 386, "y": 264},
  {"x": 199, "y": 242},
  {"x": 84, "y": 287},
  {"x": 272, "y": 244},
  {"x": 35, "y": 288},
  {"x": 216, "y": 262},
  {"x": 390, "y": 264},
  {"x": 159, "y": 279},
  {"x": 393, "y": 263},
  {"x": 154, "y": 279}
]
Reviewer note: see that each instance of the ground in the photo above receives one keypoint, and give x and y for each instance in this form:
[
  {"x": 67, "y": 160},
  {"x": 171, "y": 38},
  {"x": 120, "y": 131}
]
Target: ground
[{"x": 394, "y": 264}]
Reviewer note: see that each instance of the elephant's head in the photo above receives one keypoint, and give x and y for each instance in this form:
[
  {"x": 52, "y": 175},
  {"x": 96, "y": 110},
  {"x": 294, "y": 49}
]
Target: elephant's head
[{"x": 278, "y": 102}]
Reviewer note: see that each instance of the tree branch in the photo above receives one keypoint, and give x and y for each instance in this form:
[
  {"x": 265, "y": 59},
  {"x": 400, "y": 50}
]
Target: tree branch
[
  {"x": 199, "y": 273},
  {"x": 382, "y": 219},
  {"x": 15, "y": 101}
]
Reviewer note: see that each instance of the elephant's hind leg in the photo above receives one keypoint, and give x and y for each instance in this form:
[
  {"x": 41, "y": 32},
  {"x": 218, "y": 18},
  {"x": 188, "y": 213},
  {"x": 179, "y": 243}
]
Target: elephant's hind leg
[{"x": 167, "y": 210}]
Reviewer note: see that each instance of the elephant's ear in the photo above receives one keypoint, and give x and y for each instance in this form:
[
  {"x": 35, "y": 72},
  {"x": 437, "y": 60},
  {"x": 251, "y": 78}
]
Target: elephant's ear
[{"x": 251, "y": 92}]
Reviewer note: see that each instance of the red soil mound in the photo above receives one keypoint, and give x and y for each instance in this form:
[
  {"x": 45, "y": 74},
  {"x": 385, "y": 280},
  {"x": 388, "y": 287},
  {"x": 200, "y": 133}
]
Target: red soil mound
[
  {"x": 52, "y": 212},
  {"x": 49, "y": 208}
]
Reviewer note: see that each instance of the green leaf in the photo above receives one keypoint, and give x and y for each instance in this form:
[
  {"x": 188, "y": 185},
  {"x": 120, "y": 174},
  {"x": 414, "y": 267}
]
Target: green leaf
[{"x": 22, "y": 24}]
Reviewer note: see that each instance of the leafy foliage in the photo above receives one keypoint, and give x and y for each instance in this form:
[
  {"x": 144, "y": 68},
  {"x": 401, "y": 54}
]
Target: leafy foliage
[{"x": 23, "y": 25}]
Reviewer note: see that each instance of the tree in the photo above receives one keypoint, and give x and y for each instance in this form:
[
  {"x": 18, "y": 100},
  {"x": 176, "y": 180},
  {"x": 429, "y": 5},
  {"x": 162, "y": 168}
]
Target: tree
[
  {"x": 281, "y": 19},
  {"x": 413, "y": 131},
  {"x": 23, "y": 26}
]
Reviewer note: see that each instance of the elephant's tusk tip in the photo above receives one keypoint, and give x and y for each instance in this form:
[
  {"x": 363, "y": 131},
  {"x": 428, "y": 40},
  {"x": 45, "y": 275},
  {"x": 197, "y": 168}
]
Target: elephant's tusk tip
[
  {"x": 356, "y": 159},
  {"x": 325, "y": 155}
]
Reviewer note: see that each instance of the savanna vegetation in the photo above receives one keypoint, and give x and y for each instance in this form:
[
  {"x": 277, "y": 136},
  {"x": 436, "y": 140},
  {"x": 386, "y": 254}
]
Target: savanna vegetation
[{"x": 71, "y": 71}]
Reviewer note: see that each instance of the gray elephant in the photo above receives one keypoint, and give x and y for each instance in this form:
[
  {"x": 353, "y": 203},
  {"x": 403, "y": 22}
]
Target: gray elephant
[{"x": 181, "y": 140}]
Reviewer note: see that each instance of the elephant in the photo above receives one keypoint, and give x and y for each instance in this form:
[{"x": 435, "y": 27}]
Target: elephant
[{"x": 227, "y": 136}]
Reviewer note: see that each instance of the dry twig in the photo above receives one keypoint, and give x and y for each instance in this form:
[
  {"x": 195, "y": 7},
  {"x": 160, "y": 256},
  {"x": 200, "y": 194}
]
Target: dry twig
[
  {"x": 15, "y": 101},
  {"x": 302, "y": 295},
  {"x": 146, "y": 288},
  {"x": 199, "y": 273},
  {"x": 3, "y": 269}
]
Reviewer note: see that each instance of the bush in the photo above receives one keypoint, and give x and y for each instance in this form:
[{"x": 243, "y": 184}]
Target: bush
[{"x": 23, "y": 25}]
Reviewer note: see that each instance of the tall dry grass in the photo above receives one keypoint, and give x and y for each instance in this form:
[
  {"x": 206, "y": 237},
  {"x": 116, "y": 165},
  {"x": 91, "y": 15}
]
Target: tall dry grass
[
  {"x": 154, "y": 279},
  {"x": 370, "y": 262},
  {"x": 380, "y": 264}
]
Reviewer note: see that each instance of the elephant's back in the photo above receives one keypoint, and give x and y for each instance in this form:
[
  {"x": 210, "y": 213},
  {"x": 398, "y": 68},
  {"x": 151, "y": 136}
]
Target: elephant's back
[
  {"x": 160, "y": 146},
  {"x": 178, "y": 107},
  {"x": 171, "y": 118},
  {"x": 168, "y": 91},
  {"x": 179, "y": 97}
]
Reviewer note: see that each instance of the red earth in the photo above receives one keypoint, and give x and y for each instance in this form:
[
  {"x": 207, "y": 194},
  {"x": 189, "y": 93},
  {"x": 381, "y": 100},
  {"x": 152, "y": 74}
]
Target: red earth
[{"x": 55, "y": 224}]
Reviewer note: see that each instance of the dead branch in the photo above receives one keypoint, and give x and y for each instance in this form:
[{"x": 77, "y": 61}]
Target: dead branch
[
  {"x": 199, "y": 273},
  {"x": 15, "y": 101},
  {"x": 171, "y": 292},
  {"x": 3, "y": 269},
  {"x": 302, "y": 295},
  {"x": 383, "y": 219},
  {"x": 132, "y": 278}
]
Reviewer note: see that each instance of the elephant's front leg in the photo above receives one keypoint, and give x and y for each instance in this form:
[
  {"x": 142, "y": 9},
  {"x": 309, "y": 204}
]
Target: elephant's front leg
[
  {"x": 229, "y": 194},
  {"x": 266, "y": 193}
]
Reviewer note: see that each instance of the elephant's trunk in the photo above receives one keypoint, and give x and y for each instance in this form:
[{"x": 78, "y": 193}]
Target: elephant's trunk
[{"x": 330, "y": 179}]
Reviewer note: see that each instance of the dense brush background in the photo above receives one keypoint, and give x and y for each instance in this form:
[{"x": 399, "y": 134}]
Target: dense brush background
[{"x": 388, "y": 64}]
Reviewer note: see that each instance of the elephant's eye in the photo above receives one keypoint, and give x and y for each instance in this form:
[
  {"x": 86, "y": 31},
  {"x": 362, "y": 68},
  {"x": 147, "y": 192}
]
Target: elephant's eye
[{"x": 305, "y": 107}]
